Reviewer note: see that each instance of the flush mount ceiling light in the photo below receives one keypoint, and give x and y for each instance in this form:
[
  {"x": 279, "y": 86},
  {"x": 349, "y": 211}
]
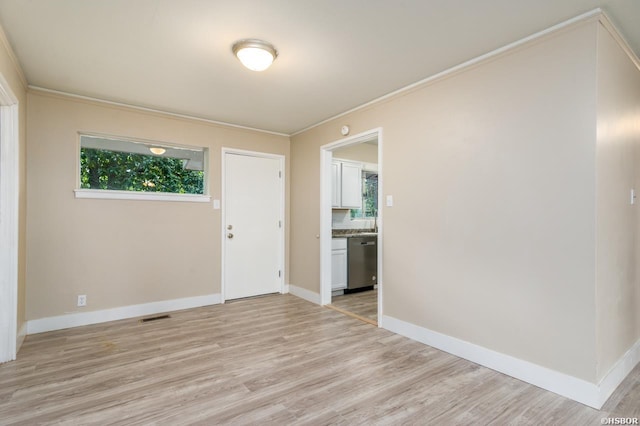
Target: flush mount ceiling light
[
  {"x": 257, "y": 55},
  {"x": 157, "y": 151}
]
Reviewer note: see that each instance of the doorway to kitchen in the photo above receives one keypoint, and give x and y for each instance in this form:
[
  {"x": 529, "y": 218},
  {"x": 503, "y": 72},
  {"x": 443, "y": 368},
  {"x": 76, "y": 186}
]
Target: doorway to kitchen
[{"x": 351, "y": 237}]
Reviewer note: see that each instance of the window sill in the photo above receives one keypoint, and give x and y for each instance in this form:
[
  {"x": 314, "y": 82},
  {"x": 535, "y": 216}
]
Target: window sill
[{"x": 148, "y": 196}]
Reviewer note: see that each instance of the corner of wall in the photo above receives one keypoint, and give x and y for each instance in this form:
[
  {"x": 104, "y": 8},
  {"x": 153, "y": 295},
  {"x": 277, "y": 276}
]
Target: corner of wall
[
  {"x": 22, "y": 334},
  {"x": 13, "y": 58},
  {"x": 617, "y": 36},
  {"x": 305, "y": 294},
  {"x": 617, "y": 289}
]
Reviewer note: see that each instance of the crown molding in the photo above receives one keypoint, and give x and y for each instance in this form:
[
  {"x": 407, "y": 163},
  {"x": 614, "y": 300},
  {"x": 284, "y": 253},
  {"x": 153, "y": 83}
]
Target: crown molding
[
  {"x": 618, "y": 37},
  {"x": 13, "y": 58},
  {"x": 592, "y": 15},
  {"x": 60, "y": 93}
]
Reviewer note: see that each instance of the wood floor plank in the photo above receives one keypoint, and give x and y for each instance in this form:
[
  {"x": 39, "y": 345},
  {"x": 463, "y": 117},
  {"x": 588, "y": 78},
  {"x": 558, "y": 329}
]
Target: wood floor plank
[
  {"x": 363, "y": 304},
  {"x": 272, "y": 360}
]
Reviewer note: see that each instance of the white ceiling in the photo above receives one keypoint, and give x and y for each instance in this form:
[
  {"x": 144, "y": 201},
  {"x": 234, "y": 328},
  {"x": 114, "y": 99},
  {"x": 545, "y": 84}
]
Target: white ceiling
[{"x": 334, "y": 55}]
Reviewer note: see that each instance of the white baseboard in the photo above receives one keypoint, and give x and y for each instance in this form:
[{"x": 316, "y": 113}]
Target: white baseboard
[
  {"x": 94, "y": 317},
  {"x": 568, "y": 386},
  {"x": 22, "y": 333},
  {"x": 619, "y": 372},
  {"x": 305, "y": 294}
]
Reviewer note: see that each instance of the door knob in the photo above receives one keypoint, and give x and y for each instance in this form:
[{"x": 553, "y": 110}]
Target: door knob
[
  {"x": 229, "y": 235},
  {"x": 229, "y": 227}
]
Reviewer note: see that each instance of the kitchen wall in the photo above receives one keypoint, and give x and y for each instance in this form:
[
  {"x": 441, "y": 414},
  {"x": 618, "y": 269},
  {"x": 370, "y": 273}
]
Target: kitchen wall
[
  {"x": 491, "y": 238},
  {"x": 341, "y": 219},
  {"x": 119, "y": 252},
  {"x": 618, "y": 136},
  {"x": 12, "y": 73}
]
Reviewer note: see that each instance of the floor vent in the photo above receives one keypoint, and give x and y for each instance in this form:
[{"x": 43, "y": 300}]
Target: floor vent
[{"x": 159, "y": 317}]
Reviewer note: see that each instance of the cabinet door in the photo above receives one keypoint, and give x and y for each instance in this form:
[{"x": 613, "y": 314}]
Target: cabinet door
[
  {"x": 338, "y": 269},
  {"x": 335, "y": 187},
  {"x": 351, "y": 186}
]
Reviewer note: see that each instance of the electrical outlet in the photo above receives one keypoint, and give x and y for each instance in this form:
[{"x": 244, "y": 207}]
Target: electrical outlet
[{"x": 82, "y": 300}]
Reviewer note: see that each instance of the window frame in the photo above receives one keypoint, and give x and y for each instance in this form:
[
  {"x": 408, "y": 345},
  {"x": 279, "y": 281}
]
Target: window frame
[
  {"x": 367, "y": 168},
  {"x": 111, "y": 194}
]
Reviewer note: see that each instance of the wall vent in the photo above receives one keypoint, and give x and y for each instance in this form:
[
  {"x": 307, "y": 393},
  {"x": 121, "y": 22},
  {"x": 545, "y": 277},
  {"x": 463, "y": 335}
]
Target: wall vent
[{"x": 159, "y": 317}]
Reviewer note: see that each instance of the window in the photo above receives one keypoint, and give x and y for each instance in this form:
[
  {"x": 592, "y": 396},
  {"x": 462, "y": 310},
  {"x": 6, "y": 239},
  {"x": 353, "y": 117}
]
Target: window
[
  {"x": 112, "y": 164},
  {"x": 369, "y": 208}
]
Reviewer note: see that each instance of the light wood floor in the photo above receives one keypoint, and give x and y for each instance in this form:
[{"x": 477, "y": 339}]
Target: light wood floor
[
  {"x": 363, "y": 304},
  {"x": 273, "y": 360}
]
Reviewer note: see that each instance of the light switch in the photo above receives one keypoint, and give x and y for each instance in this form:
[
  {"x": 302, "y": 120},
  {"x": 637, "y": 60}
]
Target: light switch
[
  {"x": 216, "y": 204},
  {"x": 633, "y": 197},
  {"x": 389, "y": 200}
]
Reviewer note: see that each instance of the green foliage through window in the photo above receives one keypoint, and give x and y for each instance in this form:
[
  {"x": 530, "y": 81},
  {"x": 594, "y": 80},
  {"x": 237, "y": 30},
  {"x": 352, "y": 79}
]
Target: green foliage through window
[
  {"x": 369, "y": 197},
  {"x": 133, "y": 171}
]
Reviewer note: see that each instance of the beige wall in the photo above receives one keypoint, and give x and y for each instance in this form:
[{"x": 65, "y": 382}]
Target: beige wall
[
  {"x": 12, "y": 74},
  {"x": 119, "y": 252},
  {"x": 618, "y": 132},
  {"x": 491, "y": 238}
]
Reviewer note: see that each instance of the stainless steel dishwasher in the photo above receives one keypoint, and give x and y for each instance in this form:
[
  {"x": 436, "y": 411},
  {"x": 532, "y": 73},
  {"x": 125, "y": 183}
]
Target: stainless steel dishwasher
[{"x": 362, "y": 257}]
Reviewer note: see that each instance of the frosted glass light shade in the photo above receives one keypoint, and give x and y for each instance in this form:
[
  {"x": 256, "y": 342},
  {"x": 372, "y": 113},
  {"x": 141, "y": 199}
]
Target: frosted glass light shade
[
  {"x": 257, "y": 55},
  {"x": 157, "y": 150}
]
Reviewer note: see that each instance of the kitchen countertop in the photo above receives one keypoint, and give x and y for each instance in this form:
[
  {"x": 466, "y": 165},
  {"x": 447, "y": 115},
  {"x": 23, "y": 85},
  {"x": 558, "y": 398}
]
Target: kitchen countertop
[{"x": 346, "y": 233}]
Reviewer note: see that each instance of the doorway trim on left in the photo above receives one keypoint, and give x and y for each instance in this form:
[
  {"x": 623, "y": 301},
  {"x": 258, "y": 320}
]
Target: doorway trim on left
[
  {"x": 223, "y": 218},
  {"x": 9, "y": 210}
]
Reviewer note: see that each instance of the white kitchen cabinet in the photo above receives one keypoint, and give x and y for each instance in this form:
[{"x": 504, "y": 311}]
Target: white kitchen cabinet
[
  {"x": 351, "y": 185},
  {"x": 347, "y": 185},
  {"x": 338, "y": 263}
]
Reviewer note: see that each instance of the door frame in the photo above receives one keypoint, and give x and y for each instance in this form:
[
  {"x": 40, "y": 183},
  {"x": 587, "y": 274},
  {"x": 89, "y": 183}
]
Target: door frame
[
  {"x": 9, "y": 221},
  {"x": 281, "y": 254},
  {"x": 326, "y": 156}
]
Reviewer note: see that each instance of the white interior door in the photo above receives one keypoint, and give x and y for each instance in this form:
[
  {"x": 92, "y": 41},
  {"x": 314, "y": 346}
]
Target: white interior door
[{"x": 253, "y": 225}]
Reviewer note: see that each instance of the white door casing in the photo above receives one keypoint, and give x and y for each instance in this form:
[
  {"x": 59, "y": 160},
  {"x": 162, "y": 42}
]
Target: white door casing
[
  {"x": 326, "y": 197},
  {"x": 9, "y": 198},
  {"x": 253, "y": 209}
]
